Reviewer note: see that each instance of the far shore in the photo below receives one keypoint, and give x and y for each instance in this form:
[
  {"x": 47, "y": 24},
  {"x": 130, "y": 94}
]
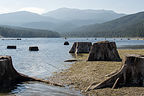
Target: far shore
[{"x": 83, "y": 73}]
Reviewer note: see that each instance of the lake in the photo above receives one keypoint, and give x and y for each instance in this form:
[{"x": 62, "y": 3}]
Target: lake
[{"x": 50, "y": 58}]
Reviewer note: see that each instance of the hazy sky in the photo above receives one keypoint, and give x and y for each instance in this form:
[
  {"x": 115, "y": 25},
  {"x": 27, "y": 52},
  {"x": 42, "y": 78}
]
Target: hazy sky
[{"x": 41, "y": 6}]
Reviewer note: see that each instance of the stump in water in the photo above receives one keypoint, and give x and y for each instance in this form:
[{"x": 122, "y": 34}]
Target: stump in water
[
  {"x": 9, "y": 76},
  {"x": 104, "y": 51},
  {"x": 11, "y": 47},
  {"x": 66, "y": 43},
  {"x": 81, "y": 47},
  {"x": 131, "y": 74},
  {"x": 33, "y": 48}
]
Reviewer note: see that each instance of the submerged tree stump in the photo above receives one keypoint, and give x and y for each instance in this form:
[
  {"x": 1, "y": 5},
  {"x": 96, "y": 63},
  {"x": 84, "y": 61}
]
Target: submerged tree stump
[
  {"x": 11, "y": 47},
  {"x": 33, "y": 48},
  {"x": 9, "y": 76},
  {"x": 104, "y": 51},
  {"x": 66, "y": 43},
  {"x": 81, "y": 47},
  {"x": 131, "y": 74}
]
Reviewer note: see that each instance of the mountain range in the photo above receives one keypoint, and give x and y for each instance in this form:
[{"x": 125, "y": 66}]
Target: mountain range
[
  {"x": 127, "y": 26},
  {"x": 60, "y": 20},
  {"x": 74, "y": 23}
]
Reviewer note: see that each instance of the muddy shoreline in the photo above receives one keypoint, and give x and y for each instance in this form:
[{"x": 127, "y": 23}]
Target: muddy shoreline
[{"x": 82, "y": 73}]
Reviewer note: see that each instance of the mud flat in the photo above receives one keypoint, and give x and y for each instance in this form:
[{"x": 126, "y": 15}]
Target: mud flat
[{"x": 83, "y": 73}]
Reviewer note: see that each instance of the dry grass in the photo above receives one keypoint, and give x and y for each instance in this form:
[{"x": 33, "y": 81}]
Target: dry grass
[{"x": 83, "y": 73}]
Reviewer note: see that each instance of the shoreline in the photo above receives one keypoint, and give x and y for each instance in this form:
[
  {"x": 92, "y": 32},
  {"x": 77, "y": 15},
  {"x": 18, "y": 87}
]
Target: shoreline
[{"x": 82, "y": 73}]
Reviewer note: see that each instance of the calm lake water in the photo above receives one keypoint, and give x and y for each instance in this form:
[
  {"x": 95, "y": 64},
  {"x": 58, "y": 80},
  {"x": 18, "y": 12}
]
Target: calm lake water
[{"x": 50, "y": 58}]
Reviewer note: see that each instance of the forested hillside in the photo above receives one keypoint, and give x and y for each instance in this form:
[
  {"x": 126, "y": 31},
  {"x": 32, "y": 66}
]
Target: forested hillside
[
  {"x": 26, "y": 32},
  {"x": 127, "y": 26}
]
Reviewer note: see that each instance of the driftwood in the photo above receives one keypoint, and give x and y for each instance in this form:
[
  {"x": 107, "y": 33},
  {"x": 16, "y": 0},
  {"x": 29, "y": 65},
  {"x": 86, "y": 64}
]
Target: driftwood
[
  {"x": 131, "y": 74},
  {"x": 71, "y": 60},
  {"x": 81, "y": 47},
  {"x": 104, "y": 51},
  {"x": 9, "y": 76}
]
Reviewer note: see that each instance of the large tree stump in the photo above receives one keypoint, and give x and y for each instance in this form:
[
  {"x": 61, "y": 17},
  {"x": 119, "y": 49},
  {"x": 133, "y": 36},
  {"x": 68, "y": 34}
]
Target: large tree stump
[
  {"x": 9, "y": 76},
  {"x": 104, "y": 51},
  {"x": 81, "y": 47},
  {"x": 131, "y": 74}
]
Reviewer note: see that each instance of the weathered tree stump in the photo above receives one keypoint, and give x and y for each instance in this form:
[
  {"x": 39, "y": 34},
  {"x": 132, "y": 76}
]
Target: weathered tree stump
[
  {"x": 11, "y": 47},
  {"x": 81, "y": 47},
  {"x": 104, "y": 51},
  {"x": 131, "y": 74},
  {"x": 33, "y": 48},
  {"x": 66, "y": 43},
  {"x": 9, "y": 76}
]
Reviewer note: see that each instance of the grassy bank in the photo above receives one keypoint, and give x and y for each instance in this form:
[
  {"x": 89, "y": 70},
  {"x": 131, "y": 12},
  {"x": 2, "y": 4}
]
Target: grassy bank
[{"x": 83, "y": 73}]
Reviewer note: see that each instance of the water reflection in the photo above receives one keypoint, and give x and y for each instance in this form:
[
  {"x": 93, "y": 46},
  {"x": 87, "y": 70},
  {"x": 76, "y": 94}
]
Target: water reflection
[{"x": 31, "y": 89}]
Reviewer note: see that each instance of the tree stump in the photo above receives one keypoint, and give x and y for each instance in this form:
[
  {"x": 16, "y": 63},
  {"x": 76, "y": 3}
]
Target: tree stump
[
  {"x": 131, "y": 74},
  {"x": 11, "y": 47},
  {"x": 33, "y": 48},
  {"x": 66, "y": 43},
  {"x": 104, "y": 51},
  {"x": 9, "y": 76},
  {"x": 81, "y": 47}
]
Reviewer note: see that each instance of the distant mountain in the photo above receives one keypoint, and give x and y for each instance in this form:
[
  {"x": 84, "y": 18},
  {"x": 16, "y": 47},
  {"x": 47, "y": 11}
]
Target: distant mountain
[
  {"x": 8, "y": 31},
  {"x": 85, "y": 16},
  {"x": 59, "y": 26},
  {"x": 60, "y": 20},
  {"x": 70, "y": 19},
  {"x": 127, "y": 26},
  {"x": 21, "y": 17}
]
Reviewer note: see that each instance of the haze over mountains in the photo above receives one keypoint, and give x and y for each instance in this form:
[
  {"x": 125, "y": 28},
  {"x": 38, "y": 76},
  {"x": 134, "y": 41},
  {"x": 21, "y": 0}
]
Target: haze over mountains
[
  {"x": 127, "y": 26},
  {"x": 60, "y": 20},
  {"x": 75, "y": 23},
  {"x": 88, "y": 16},
  {"x": 21, "y": 17}
]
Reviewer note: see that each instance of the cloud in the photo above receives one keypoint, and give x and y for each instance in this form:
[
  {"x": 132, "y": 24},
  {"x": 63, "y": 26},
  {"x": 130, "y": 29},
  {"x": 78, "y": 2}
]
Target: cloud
[
  {"x": 33, "y": 9},
  {"x": 4, "y": 10}
]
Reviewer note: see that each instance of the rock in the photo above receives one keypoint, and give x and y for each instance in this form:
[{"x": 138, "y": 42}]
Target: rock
[
  {"x": 33, "y": 48},
  {"x": 131, "y": 74},
  {"x": 10, "y": 77},
  {"x": 81, "y": 47},
  {"x": 104, "y": 51},
  {"x": 11, "y": 47},
  {"x": 66, "y": 43}
]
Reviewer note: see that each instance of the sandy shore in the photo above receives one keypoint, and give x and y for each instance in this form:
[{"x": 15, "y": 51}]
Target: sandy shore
[{"x": 83, "y": 73}]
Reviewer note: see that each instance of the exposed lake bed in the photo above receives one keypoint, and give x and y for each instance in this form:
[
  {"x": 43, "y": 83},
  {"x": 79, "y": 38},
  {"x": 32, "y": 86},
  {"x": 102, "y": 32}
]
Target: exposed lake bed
[
  {"x": 49, "y": 59},
  {"x": 83, "y": 73}
]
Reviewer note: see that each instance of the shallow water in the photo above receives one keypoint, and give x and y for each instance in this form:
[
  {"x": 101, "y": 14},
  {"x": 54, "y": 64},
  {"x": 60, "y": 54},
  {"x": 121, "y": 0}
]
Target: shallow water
[{"x": 50, "y": 58}]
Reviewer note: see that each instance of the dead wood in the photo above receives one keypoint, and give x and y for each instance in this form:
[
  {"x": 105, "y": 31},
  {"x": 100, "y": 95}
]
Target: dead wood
[
  {"x": 81, "y": 47},
  {"x": 9, "y": 76},
  {"x": 131, "y": 74},
  {"x": 104, "y": 51}
]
